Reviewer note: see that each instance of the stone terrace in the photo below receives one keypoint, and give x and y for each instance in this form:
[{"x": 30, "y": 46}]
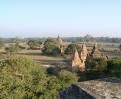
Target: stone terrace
[{"x": 107, "y": 88}]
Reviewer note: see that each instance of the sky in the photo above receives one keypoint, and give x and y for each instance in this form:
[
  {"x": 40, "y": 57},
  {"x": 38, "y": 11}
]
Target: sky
[{"x": 48, "y": 18}]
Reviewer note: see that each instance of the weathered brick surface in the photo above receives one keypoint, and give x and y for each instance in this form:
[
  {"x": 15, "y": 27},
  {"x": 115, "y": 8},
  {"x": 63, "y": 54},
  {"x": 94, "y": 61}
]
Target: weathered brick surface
[{"x": 108, "y": 88}]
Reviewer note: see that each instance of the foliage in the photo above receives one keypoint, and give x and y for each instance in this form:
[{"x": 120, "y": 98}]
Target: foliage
[
  {"x": 114, "y": 66},
  {"x": 22, "y": 78},
  {"x": 91, "y": 75},
  {"x": 67, "y": 77},
  {"x": 18, "y": 74},
  {"x": 96, "y": 64},
  {"x": 12, "y": 49},
  {"x": 70, "y": 49},
  {"x": 1, "y": 44},
  {"x": 34, "y": 44},
  {"x": 51, "y": 47},
  {"x": 120, "y": 47}
]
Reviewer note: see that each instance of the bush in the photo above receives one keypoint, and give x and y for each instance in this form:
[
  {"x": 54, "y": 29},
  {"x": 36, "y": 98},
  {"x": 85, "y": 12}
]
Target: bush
[
  {"x": 70, "y": 49},
  {"x": 120, "y": 47},
  {"x": 96, "y": 64},
  {"x": 34, "y": 44},
  {"x": 12, "y": 49},
  {"x": 67, "y": 78},
  {"x": 22, "y": 78},
  {"x": 51, "y": 47},
  {"x": 1, "y": 44},
  {"x": 114, "y": 66}
]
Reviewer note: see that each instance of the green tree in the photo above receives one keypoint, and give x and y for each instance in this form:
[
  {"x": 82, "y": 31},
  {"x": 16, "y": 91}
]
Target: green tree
[
  {"x": 67, "y": 78},
  {"x": 34, "y": 44},
  {"x": 12, "y": 49},
  {"x": 96, "y": 64},
  {"x": 1, "y": 44},
  {"x": 22, "y": 78},
  {"x": 70, "y": 49},
  {"x": 51, "y": 47},
  {"x": 114, "y": 66},
  {"x": 120, "y": 47},
  {"x": 31, "y": 44}
]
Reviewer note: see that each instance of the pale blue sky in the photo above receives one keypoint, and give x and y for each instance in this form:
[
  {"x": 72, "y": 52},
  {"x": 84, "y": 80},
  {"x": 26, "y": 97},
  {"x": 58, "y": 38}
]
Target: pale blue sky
[{"x": 39, "y": 18}]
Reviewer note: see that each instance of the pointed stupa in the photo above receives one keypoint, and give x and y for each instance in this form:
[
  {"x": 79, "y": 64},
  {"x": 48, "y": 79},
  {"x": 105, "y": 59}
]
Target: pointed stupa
[
  {"x": 61, "y": 45},
  {"x": 95, "y": 51},
  {"x": 77, "y": 63},
  {"x": 84, "y": 52},
  {"x": 59, "y": 40}
]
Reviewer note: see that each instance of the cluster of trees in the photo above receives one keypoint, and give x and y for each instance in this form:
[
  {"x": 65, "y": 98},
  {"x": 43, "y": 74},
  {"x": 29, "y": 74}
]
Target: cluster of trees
[
  {"x": 70, "y": 48},
  {"x": 92, "y": 39},
  {"x": 22, "y": 78},
  {"x": 13, "y": 48},
  {"x": 68, "y": 39},
  {"x": 96, "y": 64},
  {"x": 1, "y": 44},
  {"x": 33, "y": 44},
  {"x": 51, "y": 47},
  {"x": 114, "y": 67},
  {"x": 96, "y": 67},
  {"x": 16, "y": 47}
]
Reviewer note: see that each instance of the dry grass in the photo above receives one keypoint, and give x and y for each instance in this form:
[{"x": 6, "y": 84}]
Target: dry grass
[{"x": 37, "y": 56}]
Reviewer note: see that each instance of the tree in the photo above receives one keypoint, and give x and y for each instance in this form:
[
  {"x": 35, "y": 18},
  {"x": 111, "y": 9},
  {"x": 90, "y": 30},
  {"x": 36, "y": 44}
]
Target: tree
[
  {"x": 12, "y": 49},
  {"x": 120, "y": 47},
  {"x": 51, "y": 47},
  {"x": 67, "y": 78},
  {"x": 114, "y": 66},
  {"x": 22, "y": 78},
  {"x": 70, "y": 49},
  {"x": 34, "y": 44},
  {"x": 31, "y": 44},
  {"x": 1, "y": 44},
  {"x": 96, "y": 64}
]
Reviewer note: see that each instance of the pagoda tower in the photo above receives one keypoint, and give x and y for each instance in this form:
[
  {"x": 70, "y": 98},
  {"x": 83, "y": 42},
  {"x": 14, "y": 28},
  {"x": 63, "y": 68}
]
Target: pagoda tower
[
  {"x": 84, "y": 52},
  {"x": 61, "y": 44},
  {"x": 95, "y": 51},
  {"x": 77, "y": 62}
]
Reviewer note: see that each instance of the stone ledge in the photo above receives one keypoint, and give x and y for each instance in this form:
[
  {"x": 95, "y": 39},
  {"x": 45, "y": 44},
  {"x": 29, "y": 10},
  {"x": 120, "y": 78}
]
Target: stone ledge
[{"x": 107, "y": 88}]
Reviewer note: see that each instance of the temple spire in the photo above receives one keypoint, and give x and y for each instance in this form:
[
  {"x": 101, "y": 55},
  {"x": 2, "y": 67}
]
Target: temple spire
[
  {"x": 95, "y": 51},
  {"x": 59, "y": 40},
  {"x": 84, "y": 52},
  {"x": 77, "y": 62},
  {"x": 61, "y": 45}
]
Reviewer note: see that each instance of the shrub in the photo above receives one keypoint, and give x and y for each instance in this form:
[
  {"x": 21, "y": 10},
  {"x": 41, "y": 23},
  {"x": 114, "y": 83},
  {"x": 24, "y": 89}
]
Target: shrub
[
  {"x": 22, "y": 78},
  {"x": 67, "y": 78},
  {"x": 114, "y": 66},
  {"x": 96, "y": 64},
  {"x": 51, "y": 47},
  {"x": 1, "y": 44},
  {"x": 12, "y": 49},
  {"x": 34, "y": 44},
  {"x": 70, "y": 49}
]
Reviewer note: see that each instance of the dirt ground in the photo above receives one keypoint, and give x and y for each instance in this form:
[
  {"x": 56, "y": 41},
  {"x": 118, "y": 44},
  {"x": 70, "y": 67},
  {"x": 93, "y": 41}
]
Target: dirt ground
[
  {"x": 108, "y": 49},
  {"x": 43, "y": 59}
]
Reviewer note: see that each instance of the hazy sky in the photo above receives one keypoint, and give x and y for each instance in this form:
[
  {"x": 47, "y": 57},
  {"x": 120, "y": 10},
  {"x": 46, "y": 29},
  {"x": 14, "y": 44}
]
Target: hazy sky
[{"x": 38, "y": 18}]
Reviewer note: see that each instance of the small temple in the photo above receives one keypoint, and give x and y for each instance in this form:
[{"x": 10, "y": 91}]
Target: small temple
[
  {"x": 61, "y": 45},
  {"x": 78, "y": 60},
  {"x": 95, "y": 51},
  {"x": 84, "y": 52}
]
